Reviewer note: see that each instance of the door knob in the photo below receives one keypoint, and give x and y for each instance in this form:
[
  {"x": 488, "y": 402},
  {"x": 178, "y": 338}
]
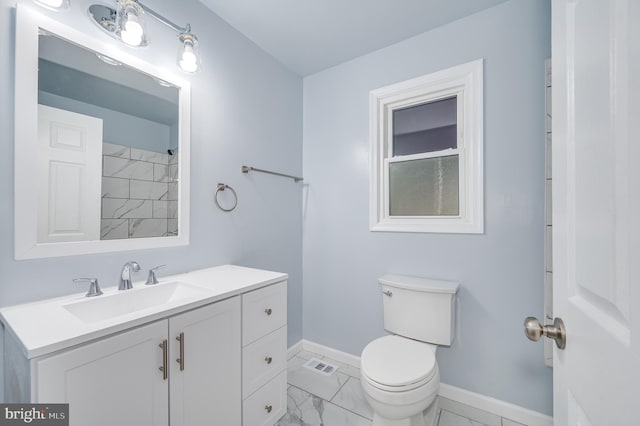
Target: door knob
[{"x": 534, "y": 331}]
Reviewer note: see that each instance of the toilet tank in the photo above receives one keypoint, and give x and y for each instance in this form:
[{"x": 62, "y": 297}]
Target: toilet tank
[{"x": 419, "y": 308}]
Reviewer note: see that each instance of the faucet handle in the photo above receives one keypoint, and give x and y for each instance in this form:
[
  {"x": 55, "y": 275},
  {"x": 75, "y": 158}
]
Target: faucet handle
[
  {"x": 135, "y": 266},
  {"x": 152, "y": 279},
  {"x": 94, "y": 288}
]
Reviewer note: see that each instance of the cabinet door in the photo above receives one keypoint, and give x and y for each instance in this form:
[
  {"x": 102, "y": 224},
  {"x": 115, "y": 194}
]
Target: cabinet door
[
  {"x": 114, "y": 381},
  {"x": 205, "y": 383}
]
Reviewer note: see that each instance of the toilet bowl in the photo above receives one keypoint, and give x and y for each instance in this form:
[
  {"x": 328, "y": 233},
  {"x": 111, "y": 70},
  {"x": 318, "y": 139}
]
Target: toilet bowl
[
  {"x": 400, "y": 380},
  {"x": 400, "y": 376}
]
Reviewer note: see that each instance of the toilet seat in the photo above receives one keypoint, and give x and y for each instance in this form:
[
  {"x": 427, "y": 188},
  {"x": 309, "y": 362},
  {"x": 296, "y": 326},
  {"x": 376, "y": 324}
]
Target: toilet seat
[{"x": 398, "y": 364}]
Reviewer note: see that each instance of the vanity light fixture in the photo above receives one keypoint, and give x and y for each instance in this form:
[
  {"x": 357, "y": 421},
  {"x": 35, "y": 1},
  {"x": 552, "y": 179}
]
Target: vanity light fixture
[
  {"x": 130, "y": 23},
  {"x": 188, "y": 56},
  {"x": 127, "y": 24}
]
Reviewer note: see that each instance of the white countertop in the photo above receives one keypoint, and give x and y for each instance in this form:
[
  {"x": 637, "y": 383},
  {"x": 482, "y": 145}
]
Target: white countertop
[{"x": 46, "y": 326}]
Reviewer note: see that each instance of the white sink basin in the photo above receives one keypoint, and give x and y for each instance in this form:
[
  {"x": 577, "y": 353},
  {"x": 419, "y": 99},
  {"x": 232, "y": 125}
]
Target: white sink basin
[{"x": 126, "y": 302}]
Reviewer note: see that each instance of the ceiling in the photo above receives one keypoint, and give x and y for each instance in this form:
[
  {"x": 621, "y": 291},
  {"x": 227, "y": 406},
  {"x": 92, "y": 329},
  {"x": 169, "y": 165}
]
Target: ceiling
[{"x": 310, "y": 36}]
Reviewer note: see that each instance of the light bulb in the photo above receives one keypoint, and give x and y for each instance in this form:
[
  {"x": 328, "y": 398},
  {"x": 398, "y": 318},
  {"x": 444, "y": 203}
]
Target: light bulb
[
  {"x": 188, "y": 59},
  {"x": 131, "y": 23},
  {"x": 189, "y": 66},
  {"x": 133, "y": 26},
  {"x": 131, "y": 38},
  {"x": 188, "y": 55}
]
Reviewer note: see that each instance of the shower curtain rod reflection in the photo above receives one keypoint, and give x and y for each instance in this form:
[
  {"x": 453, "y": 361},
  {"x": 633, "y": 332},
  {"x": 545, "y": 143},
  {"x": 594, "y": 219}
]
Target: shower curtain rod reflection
[{"x": 247, "y": 169}]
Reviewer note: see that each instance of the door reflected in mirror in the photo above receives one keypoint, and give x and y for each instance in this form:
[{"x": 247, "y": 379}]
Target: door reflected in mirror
[{"x": 108, "y": 148}]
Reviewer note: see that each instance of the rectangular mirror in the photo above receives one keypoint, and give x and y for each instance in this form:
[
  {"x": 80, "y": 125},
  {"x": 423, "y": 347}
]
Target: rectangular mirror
[{"x": 102, "y": 146}]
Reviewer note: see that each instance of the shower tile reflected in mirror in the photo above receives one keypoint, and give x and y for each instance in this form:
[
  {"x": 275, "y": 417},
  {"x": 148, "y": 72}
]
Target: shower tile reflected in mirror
[
  {"x": 116, "y": 150},
  {"x": 139, "y": 194},
  {"x": 144, "y": 228},
  {"x": 114, "y": 229}
]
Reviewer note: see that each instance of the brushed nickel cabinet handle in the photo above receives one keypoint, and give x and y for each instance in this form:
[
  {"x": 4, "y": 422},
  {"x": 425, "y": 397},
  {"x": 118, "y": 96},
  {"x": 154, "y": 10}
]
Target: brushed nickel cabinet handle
[
  {"x": 165, "y": 359},
  {"x": 268, "y": 311},
  {"x": 268, "y": 360},
  {"x": 180, "y": 360},
  {"x": 268, "y": 408}
]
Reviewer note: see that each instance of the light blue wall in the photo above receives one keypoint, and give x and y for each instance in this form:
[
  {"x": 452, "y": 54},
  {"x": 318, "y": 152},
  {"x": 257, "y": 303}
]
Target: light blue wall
[
  {"x": 501, "y": 271},
  {"x": 246, "y": 109}
]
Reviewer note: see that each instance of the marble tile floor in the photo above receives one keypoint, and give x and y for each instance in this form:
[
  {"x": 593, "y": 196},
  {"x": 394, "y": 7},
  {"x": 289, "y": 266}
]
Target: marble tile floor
[{"x": 337, "y": 400}]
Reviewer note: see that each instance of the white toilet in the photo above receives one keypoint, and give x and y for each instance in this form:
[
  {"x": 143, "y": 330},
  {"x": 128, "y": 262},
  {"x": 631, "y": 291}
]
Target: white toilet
[{"x": 400, "y": 375}]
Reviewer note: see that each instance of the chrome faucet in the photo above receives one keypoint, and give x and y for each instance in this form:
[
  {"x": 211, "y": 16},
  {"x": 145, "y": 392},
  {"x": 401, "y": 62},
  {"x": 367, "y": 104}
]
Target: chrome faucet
[
  {"x": 125, "y": 275},
  {"x": 94, "y": 288},
  {"x": 152, "y": 278}
]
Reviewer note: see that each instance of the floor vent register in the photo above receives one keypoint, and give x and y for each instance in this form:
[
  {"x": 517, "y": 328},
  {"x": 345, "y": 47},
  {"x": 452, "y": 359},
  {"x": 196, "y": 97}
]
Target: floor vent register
[{"x": 320, "y": 367}]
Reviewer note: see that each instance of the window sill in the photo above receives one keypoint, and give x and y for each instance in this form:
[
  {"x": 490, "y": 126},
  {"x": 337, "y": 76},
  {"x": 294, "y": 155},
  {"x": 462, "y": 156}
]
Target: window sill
[{"x": 428, "y": 225}]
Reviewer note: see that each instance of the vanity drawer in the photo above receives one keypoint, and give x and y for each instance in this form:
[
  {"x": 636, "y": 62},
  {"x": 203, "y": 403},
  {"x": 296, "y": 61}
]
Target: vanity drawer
[
  {"x": 267, "y": 404},
  {"x": 263, "y": 311},
  {"x": 263, "y": 359}
]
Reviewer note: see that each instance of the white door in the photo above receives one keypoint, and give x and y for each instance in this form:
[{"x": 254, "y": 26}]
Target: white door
[
  {"x": 69, "y": 176},
  {"x": 205, "y": 376},
  {"x": 114, "y": 381},
  {"x": 596, "y": 210}
]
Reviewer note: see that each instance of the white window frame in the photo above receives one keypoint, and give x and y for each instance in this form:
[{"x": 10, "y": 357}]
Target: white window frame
[{"x": 464, "y": 82}]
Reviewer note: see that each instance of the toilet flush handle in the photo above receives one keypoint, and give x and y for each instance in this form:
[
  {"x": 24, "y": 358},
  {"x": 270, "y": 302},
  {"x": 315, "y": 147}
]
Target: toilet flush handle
[{"x": 387, "y": 293}]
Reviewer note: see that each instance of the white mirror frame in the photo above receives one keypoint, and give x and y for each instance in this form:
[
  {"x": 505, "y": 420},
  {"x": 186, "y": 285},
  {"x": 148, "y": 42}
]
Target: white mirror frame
[{"x": 28, "y": 23}]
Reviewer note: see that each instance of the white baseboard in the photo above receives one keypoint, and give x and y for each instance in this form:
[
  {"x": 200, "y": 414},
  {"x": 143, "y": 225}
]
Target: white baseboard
[
  {"x": 495, "y": 406},
  {"x": 294, "y": 349},
  {"x": 462, "y": 396},
  {"x": 334, "y": 354}
]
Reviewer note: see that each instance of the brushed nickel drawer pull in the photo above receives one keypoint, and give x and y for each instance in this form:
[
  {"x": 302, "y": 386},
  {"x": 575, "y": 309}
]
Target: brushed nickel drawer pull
[
  {"x": 268, "y": 408},
  {"x": 165, "y": 359},
  {"x": 268, "y": 360},
  {"x": 268, "y": 311},
  {"x": 180, "y": 360}
]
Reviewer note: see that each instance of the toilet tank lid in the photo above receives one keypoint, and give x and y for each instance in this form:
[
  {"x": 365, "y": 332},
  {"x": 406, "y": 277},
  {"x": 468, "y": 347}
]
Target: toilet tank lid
[{"x": 419, "y": 283}]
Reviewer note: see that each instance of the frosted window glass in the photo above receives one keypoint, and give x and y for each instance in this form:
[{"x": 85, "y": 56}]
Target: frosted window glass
[
  {"x": 427, "y": 187},
  {"x": 425, "y": 128}
]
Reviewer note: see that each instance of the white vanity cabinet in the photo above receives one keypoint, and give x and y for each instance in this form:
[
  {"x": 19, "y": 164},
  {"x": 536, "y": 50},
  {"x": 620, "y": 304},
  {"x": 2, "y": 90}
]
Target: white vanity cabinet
[
  {"x": 215, "y": 354},
  {"x": 264, "y": 355},
  {"x": 114, "y": 381},
  {"x": 204, "y": 379},
  {"x": 118, "y": 380}
]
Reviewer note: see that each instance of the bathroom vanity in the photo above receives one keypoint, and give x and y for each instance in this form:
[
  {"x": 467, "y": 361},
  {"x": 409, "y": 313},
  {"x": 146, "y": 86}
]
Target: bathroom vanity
[{"x": 206, "y": 347}]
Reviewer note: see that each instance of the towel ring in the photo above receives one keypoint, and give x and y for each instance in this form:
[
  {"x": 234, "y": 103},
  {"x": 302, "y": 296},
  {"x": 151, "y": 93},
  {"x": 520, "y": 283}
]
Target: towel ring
[{"x": 222, "y": 187}]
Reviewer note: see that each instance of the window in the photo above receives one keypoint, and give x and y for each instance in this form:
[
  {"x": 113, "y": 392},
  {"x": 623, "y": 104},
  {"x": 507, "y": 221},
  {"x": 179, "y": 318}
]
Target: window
[{"x": 426, "y": 153}]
